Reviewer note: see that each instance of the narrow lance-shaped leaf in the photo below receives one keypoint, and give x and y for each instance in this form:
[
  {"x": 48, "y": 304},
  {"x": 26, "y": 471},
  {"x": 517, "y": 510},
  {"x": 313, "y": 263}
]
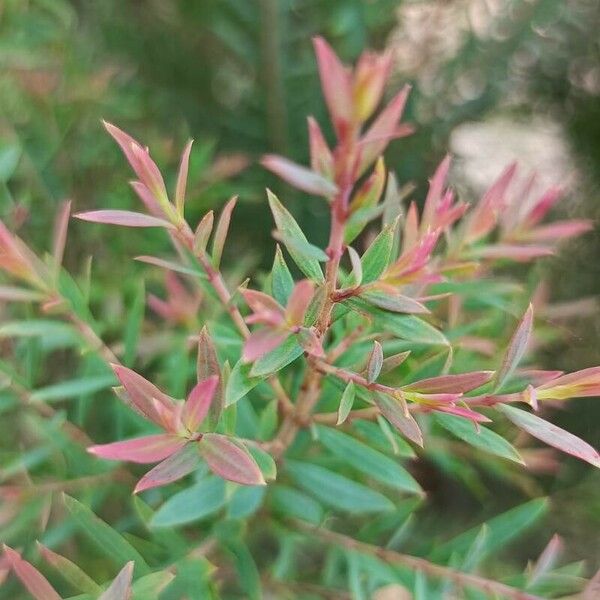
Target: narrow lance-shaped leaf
[
  {"x": 148, "y": 449},
  {"x": 516, "y": 349},
  {"x": 230, "y": 460},
  {"x": 198, "y": 403},
  {"x": 375, "y": 362},
  {"x": 551, "y": 434},
  {"x": 292, "y": 236},
  {"x": 182, "y": 176},
  {"x": 60, "y": 233},
  {"x": 207, "y": 365},
  {"x": 282, "y": 281},
  {"x": 125, "y": 218},
  {"x": 203, "y": 232},
  {"x": 298, "y": 176},
  {"x": 460, "y": 383},
  {"x": 171, "y": 469},
  {"x": 357, "y": 272},
  {"x": 400, "y": 418},
  {"x": 120, "y": 588},
  {"x": 221, "y": 231},
  {"x": 30, "y": 577},
  {"x": 376, "y": 258},
  {"x": 70, "y": 571},
  {"x": 346, "y": 402}
]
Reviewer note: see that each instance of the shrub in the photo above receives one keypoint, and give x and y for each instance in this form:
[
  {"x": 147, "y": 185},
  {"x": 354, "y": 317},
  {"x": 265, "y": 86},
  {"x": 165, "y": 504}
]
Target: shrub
[{"x": 295, "y": 447}]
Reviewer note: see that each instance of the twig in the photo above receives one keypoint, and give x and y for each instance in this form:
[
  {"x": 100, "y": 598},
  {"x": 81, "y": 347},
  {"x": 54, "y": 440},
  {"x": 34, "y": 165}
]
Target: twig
[{"x": 459, "y": 578}]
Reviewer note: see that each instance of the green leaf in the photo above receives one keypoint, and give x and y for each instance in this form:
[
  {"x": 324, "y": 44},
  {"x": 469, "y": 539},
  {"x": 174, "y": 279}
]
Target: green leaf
[
  {"x": 197, "y": 502},
  {"x": 112, "y": 543},
  {"x": 74, "y": 388},
  {"x": 245, "y": 501},
  {"x": 264, "y": 460},
  {"x": 336, "y": 490},
  {"x": 376, "y": 259},
  {"x": 35, "y": 328},
  {"x": 346, "y": 402},
  {"x": 134, "y": 325},
  {"x": 484, "y": 439},
  {"x": 292, "y": 236},
  {"x": 290, "y": 502},
  {"x": 247, "y": 571},
  {"x": 367, "y": 460},
  {"x": 282, "y": 282},
  {"x": 240, "y": 382},
  {"x": 501, "y": 530},
  {"x": 10, "y": 153},
  {"x": 375, "y": 362},
  {"x": 411, "y": 328},
  {"x": 275, "y": 360}
]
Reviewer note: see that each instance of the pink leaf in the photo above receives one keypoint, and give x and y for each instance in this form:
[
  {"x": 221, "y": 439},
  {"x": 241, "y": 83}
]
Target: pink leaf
[
  {"x": 198, "y": 403},
  {"x": 122, "y": 217},
  {"x": 120, "y": 588},
  {"x": 148, "y": 449},
  {"x": 145, "y": 195},
  {"x": 516, "y": 348},
  {"x": 580, "y": 384},
  {"x": 465, "y": 413},
  {"x": 321, "y": 159},
  {"x": 310, "y": 342},
  {"x": 383, "y": 129},
  {"x": 230, "y": 460},
  {"x": 371, "y": 74},
  {"x": 557, "y": 231},
  {"x": 463, "y": 382},
  {"x": 30, "y": 577},
  {"x": 518, "y": 252},
  {"x": 400, "y": 418},
  {"x": 145, "y": 397},
  {"x": 261, "y": 342},
  {"x": 182, "y": 178},
  {"x": 300, "y": 177},
  {"x": 175, "y": 467},
  {"x": 337, "y": 86},
  {"x": 259, "y": 301},
  {"x": 551, "y": 434},
  {"x": 434, "y": 196},
  {"x": 299, "y": 301}
]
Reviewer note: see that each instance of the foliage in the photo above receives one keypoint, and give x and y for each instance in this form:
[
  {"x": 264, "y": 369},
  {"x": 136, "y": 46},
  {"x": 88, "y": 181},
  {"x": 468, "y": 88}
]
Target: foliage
[{"x": 309, "y": 401}]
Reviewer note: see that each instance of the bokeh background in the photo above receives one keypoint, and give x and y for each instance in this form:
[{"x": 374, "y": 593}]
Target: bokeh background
[{"x": 493, "y": 81}]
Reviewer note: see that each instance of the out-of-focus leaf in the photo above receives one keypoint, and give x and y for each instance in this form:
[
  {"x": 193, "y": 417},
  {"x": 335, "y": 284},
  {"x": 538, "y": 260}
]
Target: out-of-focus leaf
[
  {"x": 109, "y": 541},
  {"x": 300, "y": 177},
  {"x": 120, "y": 588},
  {"x": 197, "y": 502},
  {"x": 336, "y": 490},
  {"x": 482, "y": 438},
  {"x": 365, "y": 459},
  {"x": 74, "y": 388},
  {"x": 10, "y": 153},
  {"x": 292, "y": 503},
  {"x": 150, "y": 586},
  {"x": 30, "y": 577},
  {"x": 245, "y": 501}
]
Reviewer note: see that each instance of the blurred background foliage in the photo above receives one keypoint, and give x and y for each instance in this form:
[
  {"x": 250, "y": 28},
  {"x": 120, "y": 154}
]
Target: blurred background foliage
[{"x": 240, "y": 77}]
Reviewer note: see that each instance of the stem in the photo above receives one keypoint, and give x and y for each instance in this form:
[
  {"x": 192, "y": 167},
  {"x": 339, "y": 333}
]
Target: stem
[{"x": 459, "y": 578}]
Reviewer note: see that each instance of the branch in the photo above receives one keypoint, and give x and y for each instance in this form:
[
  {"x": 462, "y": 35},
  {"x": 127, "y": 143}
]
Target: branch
[{"x": 459, "y": 578}]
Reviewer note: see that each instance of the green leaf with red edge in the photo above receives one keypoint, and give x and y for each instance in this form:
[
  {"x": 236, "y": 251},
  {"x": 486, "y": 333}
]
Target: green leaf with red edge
[
  {"x": 480, "y": 437},
  {"x": 294, "y": 238},
  {"x": 551, "y": 434},
  {"x": 375, "y": 362},
  {"x": 229, "y": 459},
  {"x": 516, "y": 349}
]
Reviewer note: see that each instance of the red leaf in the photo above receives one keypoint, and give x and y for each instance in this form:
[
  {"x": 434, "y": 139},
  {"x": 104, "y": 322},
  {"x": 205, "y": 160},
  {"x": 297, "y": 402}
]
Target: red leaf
[
  {"x": 173, "y": 468},
  {"x": 148, "y": 449},
  {"x": 321, "y": 159},
  {"x": 120, "y": 588},
  {"x": 261, "y": 342},
  {"x": 230, "y": 460},
  {"x": 463, "y": 382},
  {"x": 298, "y": 302},
  {"x": 434, "y": 196},
  {"x": 300, "y": 177},
  {"x": 551, "y": 434},
  {"x": 198, "y": 403},
  {"x": 182, "y": 176},
  {"x": 30, "y": 577},
  {"x": 221, "y": 231},
  {"x": 146, "y": 398}
]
